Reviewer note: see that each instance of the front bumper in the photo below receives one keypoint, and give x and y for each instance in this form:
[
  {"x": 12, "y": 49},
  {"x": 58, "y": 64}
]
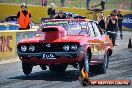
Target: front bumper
[
  {"x": 57, "y": 54},
  {"x": 61, "y": 57}
]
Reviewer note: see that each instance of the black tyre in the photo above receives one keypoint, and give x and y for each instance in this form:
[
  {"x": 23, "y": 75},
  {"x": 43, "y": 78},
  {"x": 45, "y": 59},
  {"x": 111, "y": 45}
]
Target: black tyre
[
  {"x": 27, "y": 68},
  {"x": 43, "y": 67},
  {"x": 102, "y": 68},
  {"x": 58, "y": 68},
  {"x": 85, "y": 62}
]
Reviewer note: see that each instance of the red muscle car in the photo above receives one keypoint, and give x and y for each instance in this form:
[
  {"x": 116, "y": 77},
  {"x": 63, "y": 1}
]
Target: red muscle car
[{"x": 66, "y": 42}]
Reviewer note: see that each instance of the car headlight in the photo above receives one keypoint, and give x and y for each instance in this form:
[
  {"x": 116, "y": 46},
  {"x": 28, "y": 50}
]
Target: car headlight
[
  {"x": 23, "y": 48},
  {"x": 74, "y": 47},
  {"x": 66, "y": 47},
  {"x": 31, "y": 48}
]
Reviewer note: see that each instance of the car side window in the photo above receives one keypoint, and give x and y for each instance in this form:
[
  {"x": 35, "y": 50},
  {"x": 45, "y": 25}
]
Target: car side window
[
  {"x": 91, "y": 31},
  {"x": 96, "y": 30}
]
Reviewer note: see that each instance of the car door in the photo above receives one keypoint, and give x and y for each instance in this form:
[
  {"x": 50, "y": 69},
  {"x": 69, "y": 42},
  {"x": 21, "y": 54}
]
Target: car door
[
  {"x": 103, "y": 39},
  {"x": 96, "y": 41}
]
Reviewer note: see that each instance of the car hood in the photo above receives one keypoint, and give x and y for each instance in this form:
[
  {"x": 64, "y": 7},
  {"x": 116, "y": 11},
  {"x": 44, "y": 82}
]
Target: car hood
[
  {"x": 40, "y": 39},
  {"x": 79, "y": 39}
]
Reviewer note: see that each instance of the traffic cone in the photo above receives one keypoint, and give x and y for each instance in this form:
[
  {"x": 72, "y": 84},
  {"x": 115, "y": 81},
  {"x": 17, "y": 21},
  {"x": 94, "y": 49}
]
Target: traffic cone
[{"x": 129, "y": 44}]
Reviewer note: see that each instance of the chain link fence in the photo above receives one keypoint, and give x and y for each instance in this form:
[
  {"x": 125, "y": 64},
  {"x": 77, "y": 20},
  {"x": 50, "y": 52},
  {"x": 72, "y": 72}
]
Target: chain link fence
[{"x": 110, "y": 4}]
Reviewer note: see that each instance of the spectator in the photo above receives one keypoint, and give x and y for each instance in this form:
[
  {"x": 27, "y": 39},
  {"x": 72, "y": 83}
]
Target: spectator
[
  {"x": 115, "y": 12},
  {"x": 44, "y": 2},
  {"x": 112, "y": 27},
  {"x": 24, "y": 17},
  {"x": 103, "y": 4},
  {"x": 62, "y": 3},
  {"x": 87, "y": 4},
  {"x": 120, "y": 19},
  {"x": 60, "y": 15},
  {"x": 51, "y": 11},
  {"x": 101, "y": 21}
]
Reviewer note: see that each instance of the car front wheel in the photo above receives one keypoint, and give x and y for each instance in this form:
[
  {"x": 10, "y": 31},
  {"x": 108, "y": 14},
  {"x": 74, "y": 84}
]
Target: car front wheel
[
  {"x": 85, "y": 62},
  {"x": 27, "y": 68}
]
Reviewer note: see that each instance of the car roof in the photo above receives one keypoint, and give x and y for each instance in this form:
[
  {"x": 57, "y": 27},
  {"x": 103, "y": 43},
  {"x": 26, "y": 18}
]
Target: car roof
[
  {"x": 67, "y": 20},
  {"x": 69, "y": 13}
]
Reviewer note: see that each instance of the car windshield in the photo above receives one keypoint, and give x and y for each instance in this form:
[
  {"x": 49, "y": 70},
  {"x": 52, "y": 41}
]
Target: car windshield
[
  {"x": 12, "y": 19},
  {"x": 73, "y": 27}
]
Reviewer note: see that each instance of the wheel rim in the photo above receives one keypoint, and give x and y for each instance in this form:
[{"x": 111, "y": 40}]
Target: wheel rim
[
  {"x": 105, "y": 61},
  {"x": 27, "y": 69},
  {"x": 86, "y": 62}
]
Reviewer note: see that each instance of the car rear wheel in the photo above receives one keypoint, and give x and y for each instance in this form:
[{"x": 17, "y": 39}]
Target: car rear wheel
[
  {"x": 27, "y": 68},
  {"x": 102, "y": 68},
  {"x": 58, "y": 68}
]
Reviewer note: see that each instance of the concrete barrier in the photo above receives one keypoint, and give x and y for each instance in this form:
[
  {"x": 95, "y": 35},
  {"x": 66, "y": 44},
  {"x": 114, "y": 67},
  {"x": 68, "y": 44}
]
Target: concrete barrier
[
  {"x": 9, "y": 39},
  {"x": 7, "y": 44},
  {"x": 8, "y": 26}
]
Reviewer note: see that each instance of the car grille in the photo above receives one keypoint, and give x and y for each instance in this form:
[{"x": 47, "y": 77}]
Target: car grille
[{"x": 45, "y": 47}]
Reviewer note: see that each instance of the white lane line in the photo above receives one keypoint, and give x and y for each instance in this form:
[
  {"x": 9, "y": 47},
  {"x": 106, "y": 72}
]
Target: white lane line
[
  {"x": 117, "y": 64},
  {"x": 120, "y": 61},
  {"x": 110, "y": 73}
]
